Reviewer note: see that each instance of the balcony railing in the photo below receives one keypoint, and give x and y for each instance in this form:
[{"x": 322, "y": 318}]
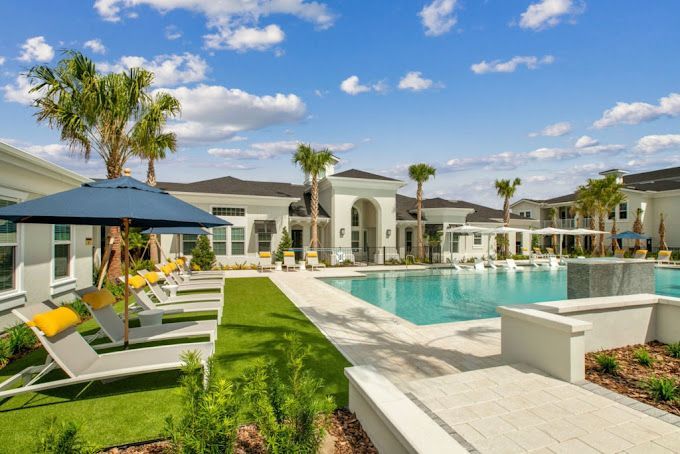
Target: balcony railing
[{"x": 570, "y": 223}]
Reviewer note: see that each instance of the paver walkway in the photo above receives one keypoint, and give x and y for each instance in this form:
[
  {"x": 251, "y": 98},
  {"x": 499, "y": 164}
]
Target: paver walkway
[{"x": 454, "y": 371}]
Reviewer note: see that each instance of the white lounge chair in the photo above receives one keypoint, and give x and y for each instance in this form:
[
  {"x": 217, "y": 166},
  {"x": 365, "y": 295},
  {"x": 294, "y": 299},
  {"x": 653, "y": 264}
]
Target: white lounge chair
[
  {"x": 664, "y": 258},
  {"x": 264, "y": 262},
  {"x": 146, "y": 303},
  {"x": 313, "y": 261},
  {"x": 152, "y": 279},
  {"x": 479, "y": 264},
  {"x": 511, "y": 264},
  {"x": 553, "y": 262},
  {"x": 619, "y": 253},
  {"x": 537, "y": 253},
  {"x": 171, "y": 271},
  {"x": 455, "y": 263},
  {"x": 182, "y": 286},
  {"x": 69, "y": 351},
  {"x": 289, "y": 261},
  {"x": 100, "y": 304},
  {"x": 187, "y": 273},
  {"x": 640, "y": 254},
  {"x": 491, "y": 263}
]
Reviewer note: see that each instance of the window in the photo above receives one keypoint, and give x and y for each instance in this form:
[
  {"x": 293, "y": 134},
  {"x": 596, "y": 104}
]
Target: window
[
  {"x": 355, "y": 239},
  {"x": 228, "y": 211},
  {"x": 612, "y": 214},
  {"x": 8, "y": 251},
  {"x": 409, "y": 240},
  {"x": 623, "y": 210},
  {"x": 188, "y": 243},
  {"x": 454, "y": 242},
  {"x": 238, "y": 237},
  {"x": 355, "y": 217},
  {"x": 264, "y": 242},
  {"x": 477, "y": 240},
  {"x": 219, "y": 240},
  {"x": 62, "y": 251},
  {"x": 525, "y": 214}
]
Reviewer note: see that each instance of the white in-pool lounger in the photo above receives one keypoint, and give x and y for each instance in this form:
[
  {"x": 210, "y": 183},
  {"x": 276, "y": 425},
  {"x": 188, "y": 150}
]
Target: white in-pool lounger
[{"x": 69, "y": 351}]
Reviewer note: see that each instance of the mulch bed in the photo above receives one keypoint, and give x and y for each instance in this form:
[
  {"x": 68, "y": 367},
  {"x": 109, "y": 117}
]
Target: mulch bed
[
  {"x": 631, "y": 376},
  {"x": 346, "y": 433}
]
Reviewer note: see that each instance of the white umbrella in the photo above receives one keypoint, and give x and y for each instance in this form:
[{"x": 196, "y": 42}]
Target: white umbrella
[
  {"x": 586, "y": 232},
  {"x": 467, "y": 228},
  {"x": 553, "y": 231}
]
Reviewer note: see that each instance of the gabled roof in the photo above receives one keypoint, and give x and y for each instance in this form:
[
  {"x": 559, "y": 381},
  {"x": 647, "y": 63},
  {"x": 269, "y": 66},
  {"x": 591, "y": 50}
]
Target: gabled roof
[
  {"x": 672, "y": 173},
  {"x": 360, "y": 174},
  {"x": 406, "y": 209},
  {"x": 235, "y": 186}
]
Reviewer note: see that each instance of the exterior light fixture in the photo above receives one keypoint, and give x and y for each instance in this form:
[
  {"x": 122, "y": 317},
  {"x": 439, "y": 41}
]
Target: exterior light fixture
[
  {"x": 388, "y": 233},
  {"x": 342, "y": 232}
]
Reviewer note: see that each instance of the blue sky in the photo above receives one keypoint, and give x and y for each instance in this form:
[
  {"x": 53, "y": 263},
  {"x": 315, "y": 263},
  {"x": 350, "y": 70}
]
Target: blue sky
[{"x": 552, "y": 91}]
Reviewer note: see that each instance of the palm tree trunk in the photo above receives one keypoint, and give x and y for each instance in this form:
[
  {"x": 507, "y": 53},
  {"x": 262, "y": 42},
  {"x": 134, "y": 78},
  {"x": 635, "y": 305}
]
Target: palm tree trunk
[
  {"x": 113, "y": 170},
  {"x": 506, "y": 221},
  {"x": 315, "y": 212},
  {"x": 601, "y": 241},
  {"x": 615, "y": 245},
  {"x": 151, "y": 173},
  {"x": 591, "y": 226},
  {"x": 419, "y": 197}
]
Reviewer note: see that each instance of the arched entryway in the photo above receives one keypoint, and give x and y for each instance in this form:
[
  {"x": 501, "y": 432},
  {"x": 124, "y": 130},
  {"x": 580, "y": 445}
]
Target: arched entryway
[{"x": 365, "y": 230}]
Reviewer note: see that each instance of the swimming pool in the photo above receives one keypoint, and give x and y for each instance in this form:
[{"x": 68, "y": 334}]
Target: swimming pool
[{"x": 443, "y": 295}]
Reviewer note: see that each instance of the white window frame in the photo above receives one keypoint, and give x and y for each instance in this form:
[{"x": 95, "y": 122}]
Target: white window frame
[
  {"x": 181, "y": 246},
  {"x": 239, "y": 207},
  {"x": 11, "y": 297},
  {"x": 626, "y": 211},
  {"x": 475, "y": 237},
  {"x": 65, "y": 283},
  {"x": 231, "y": 241},
  {"x": 225, "y": 241}
]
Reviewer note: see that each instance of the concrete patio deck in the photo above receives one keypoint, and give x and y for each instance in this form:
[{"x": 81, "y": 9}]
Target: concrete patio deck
[{"x": 455, "y": 373}]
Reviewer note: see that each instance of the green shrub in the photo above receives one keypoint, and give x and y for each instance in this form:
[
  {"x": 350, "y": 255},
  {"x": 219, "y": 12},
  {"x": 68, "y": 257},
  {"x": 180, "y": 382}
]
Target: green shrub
[
  {"x": 284, "y": 244},
  {"x": 662, "y": 388},
  {"x": 20, "y": 338},
  {"x": 79, "y": 308},
  {"x": 643, "y": 357},
  {"x": 116, "y": 288},
  {"x": 5, "y": 354},
  {"x": 61, "y": 438},
  {"x": 607, "y": 363},
  {"x": 142, "y": 265},
  {"x": 290, "y": 414},
  {"x": 207, "y": 422},
  {"x": 673, "y": 349},
  {"x": 202, "y": 256}
]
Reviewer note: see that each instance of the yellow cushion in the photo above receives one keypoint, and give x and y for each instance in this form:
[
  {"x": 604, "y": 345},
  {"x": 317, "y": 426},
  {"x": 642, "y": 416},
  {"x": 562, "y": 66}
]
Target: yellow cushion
[
  {"x": 265, "y": 255},
  {"x": 664, "y": 253},
  {"x": 99, "y": 299},
  {"x": 180, "y": 262},
  {"x": 136, "y": 281},
  {"x": 289, "y": 254},
  {"x": 312, "y": 254},
  {"x": 167, "y": 269},
  {"x": 173, "y": 266},
  {"x": 152, "y": 277},
  {"x": 55, "y": 321}
]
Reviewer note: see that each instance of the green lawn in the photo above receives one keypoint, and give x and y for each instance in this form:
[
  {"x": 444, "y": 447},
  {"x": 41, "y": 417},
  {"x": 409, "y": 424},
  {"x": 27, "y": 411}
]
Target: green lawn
[{"x": 256, "y": 317}]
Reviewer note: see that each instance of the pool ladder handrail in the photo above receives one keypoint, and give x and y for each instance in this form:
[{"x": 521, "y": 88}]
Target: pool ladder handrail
[{"x": 413, "y": 257}]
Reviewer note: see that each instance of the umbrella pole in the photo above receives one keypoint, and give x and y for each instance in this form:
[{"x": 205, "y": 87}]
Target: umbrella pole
[{"x": 126, "y": 291}]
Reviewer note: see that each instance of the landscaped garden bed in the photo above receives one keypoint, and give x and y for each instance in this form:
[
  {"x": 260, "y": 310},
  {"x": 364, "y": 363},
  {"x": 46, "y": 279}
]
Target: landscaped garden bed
[{"x": 649, "y": 373}]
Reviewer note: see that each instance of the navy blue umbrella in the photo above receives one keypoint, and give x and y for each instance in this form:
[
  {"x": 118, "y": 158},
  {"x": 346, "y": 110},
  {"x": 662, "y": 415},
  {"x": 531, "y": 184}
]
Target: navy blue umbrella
[
  {"x": 628, "y": 235},
  {"x": 122, "y": 202},
  {"x": 177, "y": 231}
]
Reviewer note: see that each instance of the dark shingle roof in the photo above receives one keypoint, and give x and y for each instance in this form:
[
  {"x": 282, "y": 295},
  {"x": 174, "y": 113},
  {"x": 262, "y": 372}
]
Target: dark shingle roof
[
  {"x": 235, "y": 186},
  {"x": 360, "y": 174},
  {"x": 672, "y": 173},
  {"x": 406, "y": 207}
]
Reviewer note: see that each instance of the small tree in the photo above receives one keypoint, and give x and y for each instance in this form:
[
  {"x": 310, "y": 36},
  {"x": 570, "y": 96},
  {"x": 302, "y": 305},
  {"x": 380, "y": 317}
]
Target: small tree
[
  {"x": 285, "y": 244},
  {"x": 203, "y": 256}
]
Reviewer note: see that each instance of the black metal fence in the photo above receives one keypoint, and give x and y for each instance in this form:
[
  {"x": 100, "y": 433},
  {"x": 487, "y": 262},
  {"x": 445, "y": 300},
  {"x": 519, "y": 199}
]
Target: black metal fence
[{"x": 371, "y": 255}]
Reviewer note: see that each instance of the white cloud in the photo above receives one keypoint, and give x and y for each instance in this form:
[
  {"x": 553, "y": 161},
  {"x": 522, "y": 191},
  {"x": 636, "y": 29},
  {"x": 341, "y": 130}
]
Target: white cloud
[
  {"x": 235, "y": 21},
  {"x": 36, "y": 49},
  {"x": 95, "y": 45},
  {"x": 172, "y": 32},
  {"x": 267, "y": 150},
  {"x": 244, "y": 39},
  {"x": 548, "y": 13},
  {"x": 213, "y": 112},
  {"x": 509, "y": 66},
  {"x": 585, "y": 142},
  {"x": 53, "y": 150},
  {"x": 638, "y": 112},
  {"x": 2, "y": 60},
  {"x": 169, "y": 70},
  {"x": 554, "y": 130},
  {"x": 19, "y": 91},
  {"x": 658, "y": 142},
  {"x": 353, "y": 87},
  {"x": 438, "y": 17},
  {"x": 415, "y": 81}
]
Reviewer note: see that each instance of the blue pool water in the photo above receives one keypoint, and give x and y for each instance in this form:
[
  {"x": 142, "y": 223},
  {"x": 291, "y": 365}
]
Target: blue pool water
[{"x": 438, "y": 296}]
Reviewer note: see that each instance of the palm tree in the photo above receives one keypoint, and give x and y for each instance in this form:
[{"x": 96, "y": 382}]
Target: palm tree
[
  {"x": 662, "y": 233},
  {"x": 606, "y": 195},
  {"x": 151, "y": 142},
  {"x": 585, "y": 205},
  {"x": 637, "y": 225},
  {"x": 420, "y": 173},
  {"x": 94, "y": 112},
  {"x": 583, "y": 208},
  {"x": 506, "y": 189},
  {"x": 313, "y": 162},
  {"x": 615, "y": 197},
  {"x": 552, "y": 214}
]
